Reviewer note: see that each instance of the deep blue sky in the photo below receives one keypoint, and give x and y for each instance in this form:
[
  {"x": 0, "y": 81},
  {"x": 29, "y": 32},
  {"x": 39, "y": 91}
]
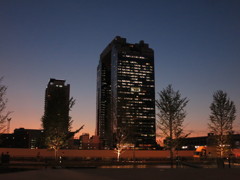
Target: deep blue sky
[{"x": 196, "y": 44}]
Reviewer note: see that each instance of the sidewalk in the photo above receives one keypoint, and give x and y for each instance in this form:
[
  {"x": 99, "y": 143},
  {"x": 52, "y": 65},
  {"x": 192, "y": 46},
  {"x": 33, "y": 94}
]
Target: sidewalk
[{"x": 126, "y": 174}]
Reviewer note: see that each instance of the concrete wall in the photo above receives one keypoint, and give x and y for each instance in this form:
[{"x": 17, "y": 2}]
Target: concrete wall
[{"x": 88, "y": 154}]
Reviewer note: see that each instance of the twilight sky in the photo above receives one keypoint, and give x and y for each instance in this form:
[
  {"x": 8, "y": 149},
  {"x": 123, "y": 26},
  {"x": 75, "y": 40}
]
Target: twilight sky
[{"x": 196, "y": 44}]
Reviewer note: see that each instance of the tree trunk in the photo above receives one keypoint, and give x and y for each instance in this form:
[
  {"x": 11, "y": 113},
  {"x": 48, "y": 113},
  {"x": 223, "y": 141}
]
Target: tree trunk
[
  {"x": 118, "y": 155},
  {"x": 171, "y": 158},
  {"x": 55, "y": 154},
  {"x": 171, "y": 143}
]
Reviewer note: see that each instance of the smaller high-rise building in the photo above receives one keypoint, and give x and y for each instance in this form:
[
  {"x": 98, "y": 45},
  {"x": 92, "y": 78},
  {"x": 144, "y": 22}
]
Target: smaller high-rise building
[{"x": 56, "y": 111}]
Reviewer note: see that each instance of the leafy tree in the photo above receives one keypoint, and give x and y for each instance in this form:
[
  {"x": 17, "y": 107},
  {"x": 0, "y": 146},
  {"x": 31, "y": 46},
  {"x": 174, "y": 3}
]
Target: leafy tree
[
  {"x": 171, "y": 115},
  {"x": 222, "y": 117},
  {"x": 3, "y": 105}
]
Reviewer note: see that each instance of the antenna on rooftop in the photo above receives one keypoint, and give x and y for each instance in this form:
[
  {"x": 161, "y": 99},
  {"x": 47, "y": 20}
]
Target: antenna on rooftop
[{"x": 8, "y": 125}]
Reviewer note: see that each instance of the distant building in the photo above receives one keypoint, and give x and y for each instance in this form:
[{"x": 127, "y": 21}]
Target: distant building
[
  {"x": 73, "y": 143},
  {"x": 23, "y": 138},
  {"x": 126, "y": 93},
  {"x": 7, "y": 141},
  {"x": 87, "y": 143},
  {"x": 192, "y": 143},
  {"x": 28, "y": 138},
  {"x": 56, "y": 111}
]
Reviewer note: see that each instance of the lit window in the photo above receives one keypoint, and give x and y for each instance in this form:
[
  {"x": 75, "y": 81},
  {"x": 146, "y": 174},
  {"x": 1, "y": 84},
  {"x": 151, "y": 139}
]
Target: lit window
[{"x": 135, "y": 89}]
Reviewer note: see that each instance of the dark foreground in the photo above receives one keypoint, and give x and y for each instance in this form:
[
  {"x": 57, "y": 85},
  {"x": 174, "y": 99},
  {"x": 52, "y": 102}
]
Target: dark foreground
[{"x": 125, "y": 174}]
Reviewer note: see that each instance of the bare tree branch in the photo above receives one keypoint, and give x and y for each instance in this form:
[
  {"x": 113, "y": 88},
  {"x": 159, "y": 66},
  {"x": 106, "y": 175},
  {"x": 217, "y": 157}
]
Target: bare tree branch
[
  {"x": 4, "y": 114},
  {"x": 223, "y": 114},
  {"x": 171, "y": 117}
]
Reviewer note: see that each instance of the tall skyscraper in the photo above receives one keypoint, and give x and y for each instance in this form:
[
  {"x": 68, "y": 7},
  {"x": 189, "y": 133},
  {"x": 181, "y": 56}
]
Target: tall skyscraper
[
  {"x": 56, "y": 111},
  {"x": 126, "y": 93}
]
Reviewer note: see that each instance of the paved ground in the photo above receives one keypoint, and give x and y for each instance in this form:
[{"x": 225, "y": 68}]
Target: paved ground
[{"x": 125, "y": 174}]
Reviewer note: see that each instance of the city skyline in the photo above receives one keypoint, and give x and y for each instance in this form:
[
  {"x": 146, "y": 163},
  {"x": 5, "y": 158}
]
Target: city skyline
[{"x": 196, "y": 48}]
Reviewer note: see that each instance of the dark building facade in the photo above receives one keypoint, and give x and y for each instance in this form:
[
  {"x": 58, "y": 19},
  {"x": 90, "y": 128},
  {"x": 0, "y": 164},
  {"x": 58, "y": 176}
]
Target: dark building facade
[
  {"x": 126, "y": 93},
  {"x": 56, "y": 112},
  {"x": 28, "y": 138},
  {"x": 192, "y": 143},
  {"x": 89, "y": 143},
  {"x": 23, "y": 138}
]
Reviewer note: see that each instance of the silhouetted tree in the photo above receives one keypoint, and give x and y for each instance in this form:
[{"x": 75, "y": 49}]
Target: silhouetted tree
[
  {"x": 120, "y": 132},
  {"x": 57, "y": 128},
  {"x": 57, "y": 139},
  {"x": 171, "y": 115},
  {"x": 222, "y": 117},
  {"x": 4, "y": 114}
]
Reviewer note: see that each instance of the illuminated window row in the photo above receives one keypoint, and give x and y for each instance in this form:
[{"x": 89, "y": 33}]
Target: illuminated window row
[
  {"x": 147, "y": 99},
  {"x": 150, "y": 86},
  {"x": 137, "y": 82},
  {"x": 131, "y": 67},
  {"x": 130, "y": 72},
  {"x": 136, "y": 57},
  {"x": 133, "y": 62},
  {"x": 148, "y": 108},
  {"x": 127, "y": 98},
  {"x": 141, "y": 75},
  {"x": 136, "y": 102},
  {"x": 123, "y": 81},
  {"x": 137, "y": 72},
  {"x": 124, "y": 86},
  {"x": 123, "y": 92}
]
